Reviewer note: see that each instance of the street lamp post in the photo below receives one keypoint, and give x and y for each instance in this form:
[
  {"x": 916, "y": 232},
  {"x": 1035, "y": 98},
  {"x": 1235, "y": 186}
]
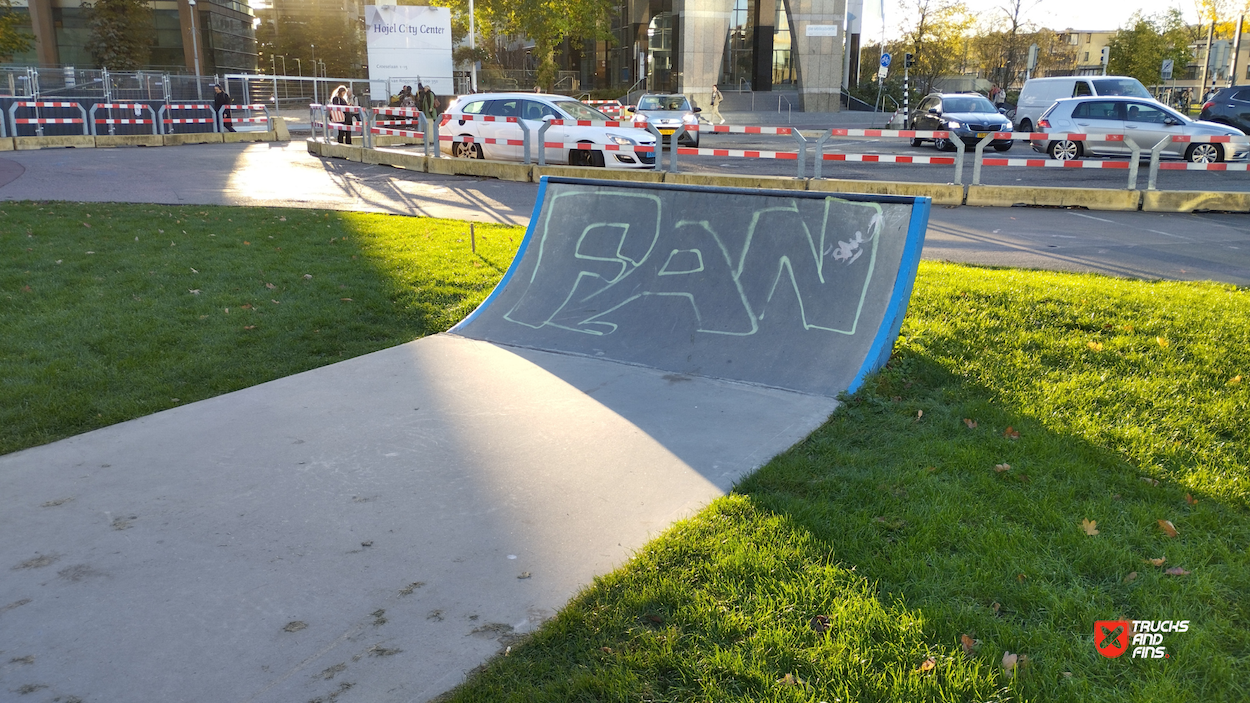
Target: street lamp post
[
  {"x": 472, "y": 45},
  {"x": 195, "y": 49}
]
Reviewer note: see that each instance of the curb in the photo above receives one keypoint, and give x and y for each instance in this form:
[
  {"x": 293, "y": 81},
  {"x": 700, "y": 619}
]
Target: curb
[
  {"x": 6, "y": 144},
  {"x": 1094, "y": 199},
  {"x": 1191, "y": 201},
  {"x": 112, "y": 140},
  {"x": 80, "y": 141},
  {"x": 941, "y": 193}
]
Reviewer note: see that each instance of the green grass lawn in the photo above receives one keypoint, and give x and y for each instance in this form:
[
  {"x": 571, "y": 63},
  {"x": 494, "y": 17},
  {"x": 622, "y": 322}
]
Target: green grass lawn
[
  {"x": 851, "y": 568},
  {"x": 109, "y": 312}
]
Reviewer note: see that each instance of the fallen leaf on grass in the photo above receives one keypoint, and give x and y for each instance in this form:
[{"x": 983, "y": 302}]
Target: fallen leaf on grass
[
  {"x": 1168, "y": 528},
  {"x": 819, "y": 623},
  {"x": 605, "y": 650},
  {"x": 1132, "y": 576},
  {"x": 1096, "y": 346},
  {"x": 270, "y": 286},
  {"x": 927, "y": 665},
  {"x": 1176, "y": 571},
  {"x": 308, "y": 276},
  {"x": 1151, "y": 481},
  {"x": 1090, "y": 526},
  {"x": 1234, "y": 380},
  {"x": 274, "y": 301},
  {"x": 194, "y": 271},
  {"x": 1011, "y": 434},
  {"x": 246, "y": 306},
  {"x": 249, "y": 327},
  {"x": 1021, "y": 577},
  {"x": 999, "y": 468},
  {"x": 995, "y": 607},
  {"x": 972, "y": 425},
  {"x": 347, "y": 299},
  {"x": 1156, "y": 562},
  {"x": 790, "y": 680},
  {"x": 919, "y": 414},
  {"x": 967, "y": 643},
  {"x": 1162, "y": 342},
  {"x": 1190, "y": 499},
  {"x": 1067, "y": 674},
  {"x": 1009, "y": 661},
  {"x": 281, "y": 219},
  {"x": 86, "y": 225}
]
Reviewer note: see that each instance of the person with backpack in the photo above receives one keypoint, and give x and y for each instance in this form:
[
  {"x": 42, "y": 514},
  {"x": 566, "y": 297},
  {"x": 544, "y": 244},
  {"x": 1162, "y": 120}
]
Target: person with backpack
[
  {"x": 342, "y": 96},
  {"x": 427, "y": 102},
  {"x": 221, "y": 99}
]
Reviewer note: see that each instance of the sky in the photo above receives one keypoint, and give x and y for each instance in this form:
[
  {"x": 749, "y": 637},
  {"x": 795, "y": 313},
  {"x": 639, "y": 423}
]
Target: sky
[{"x": 1056, "y": 14}]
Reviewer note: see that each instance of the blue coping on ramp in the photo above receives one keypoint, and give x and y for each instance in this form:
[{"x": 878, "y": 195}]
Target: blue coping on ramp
[{"x": 791, "y": 289}]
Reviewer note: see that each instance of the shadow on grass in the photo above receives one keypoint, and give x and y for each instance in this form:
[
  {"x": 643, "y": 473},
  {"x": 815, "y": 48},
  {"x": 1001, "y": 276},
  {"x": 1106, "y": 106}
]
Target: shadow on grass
[{"x": 901, "y": 523}]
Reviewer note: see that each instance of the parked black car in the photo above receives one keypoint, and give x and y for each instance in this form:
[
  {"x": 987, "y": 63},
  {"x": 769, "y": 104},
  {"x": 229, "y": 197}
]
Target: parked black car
[
  {"x": 1229, "y": 106},
  {"x": 969, "y": 116}
]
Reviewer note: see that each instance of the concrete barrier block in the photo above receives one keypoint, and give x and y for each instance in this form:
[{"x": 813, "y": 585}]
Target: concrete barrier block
[
  {"x": 483, "y": 169},
  {"x": 1189, "y": 201},
  {"x": 713, "y": 179},
  {"x": 399, "y": 159},
  {"x": 646, "y": 175},
  {"x": 941, "y": 193},
  {"x": 236, "y": 137},
  {"x": 315, "y": 147},
  {"x": 110, "y": 140},
  {"x": 384, "y": 140},
  {"x": 54, "y": 142},
  {"x": 6, "y": 144},
  {"x": 1092, "y": 198},
  {"x": 192, "y": 138},
  {"x": 334, "y": 150},
  {"x": 280, "y": 131}
]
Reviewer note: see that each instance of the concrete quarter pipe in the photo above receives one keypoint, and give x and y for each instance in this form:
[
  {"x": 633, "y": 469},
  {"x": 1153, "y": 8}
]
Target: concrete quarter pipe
[{"x": 801, "y": 291}]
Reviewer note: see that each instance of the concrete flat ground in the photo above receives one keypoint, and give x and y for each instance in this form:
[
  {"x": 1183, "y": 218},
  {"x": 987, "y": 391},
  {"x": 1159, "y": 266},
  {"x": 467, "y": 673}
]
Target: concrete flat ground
[{"x": 384, "y": 524}]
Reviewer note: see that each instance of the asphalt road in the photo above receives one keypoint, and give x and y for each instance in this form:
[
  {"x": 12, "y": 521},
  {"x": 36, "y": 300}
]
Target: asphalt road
[{"x": 1132, "y": 244}]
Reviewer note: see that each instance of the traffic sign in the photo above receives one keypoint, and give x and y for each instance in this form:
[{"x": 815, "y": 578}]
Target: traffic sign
[
  {"x": 885, "y": 60},
  {"x": 1166, "y": 71}
]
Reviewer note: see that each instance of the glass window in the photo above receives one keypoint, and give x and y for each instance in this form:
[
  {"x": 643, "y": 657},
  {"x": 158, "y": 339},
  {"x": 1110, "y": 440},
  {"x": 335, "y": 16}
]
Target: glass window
[
  {"x": 1082, "y": 88},
  {"x": 1242, "y": 95},
  {"x": 972, "y": 103},
  {"x": 474, "y": 108},
  {"x": 503, "y": 108},
  {"x": 534, "y": 110},
  {"x": 1152, "y": 114},
  {"x": 578, "y": 111},
  {"x": 1099, "y": 110},
  {"x": 1121, "y": 86}
]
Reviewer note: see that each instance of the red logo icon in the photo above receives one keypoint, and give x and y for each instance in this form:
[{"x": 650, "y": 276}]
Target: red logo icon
[{"x": 1111, "y": 637}]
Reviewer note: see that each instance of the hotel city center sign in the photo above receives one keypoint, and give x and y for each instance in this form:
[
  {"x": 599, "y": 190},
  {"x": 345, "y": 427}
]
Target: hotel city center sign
[{"x": 408, "y": 44}]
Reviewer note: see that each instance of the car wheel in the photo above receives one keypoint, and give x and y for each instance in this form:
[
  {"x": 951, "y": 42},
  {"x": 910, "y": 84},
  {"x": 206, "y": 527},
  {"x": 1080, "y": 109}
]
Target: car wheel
[
  {"x": 916, "y": 142},
  {"x": 1003, "y": 147},
  {"x": 464, "y": 150},
  {"x": 1064, "y": 150},
  {"x": 943, "y": 144},
  {"x": 1204, "y": 153},
  {"x": 1026, "y": 125}
]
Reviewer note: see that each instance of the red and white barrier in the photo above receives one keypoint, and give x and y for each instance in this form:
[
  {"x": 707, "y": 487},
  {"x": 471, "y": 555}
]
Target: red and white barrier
[
  {"x": 263, "y": 119},
  {"x": 39, "y": 121},
  {"x": 481, "y": 140},
  {"x": 411, "y": 117},
  {"x": 1053, "y": 163},
  {"x": 135, "y": 108},
  {"x": 740, "y": 153},
  {"x": 891, "y": 159}
]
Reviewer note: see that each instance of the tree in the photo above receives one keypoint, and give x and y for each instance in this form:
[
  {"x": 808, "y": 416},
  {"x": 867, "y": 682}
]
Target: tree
[
  {"x": 546, "y": 22},
  {"x": 1140, "y": 49},
  {"x": 121, "y": 34},
  {"x": 936, "y": 38},
  {"x": 13, "y": 39}
]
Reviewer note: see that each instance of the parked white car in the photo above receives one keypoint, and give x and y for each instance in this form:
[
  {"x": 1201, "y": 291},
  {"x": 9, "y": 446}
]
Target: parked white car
[
  {"x": 533, "y": 109},
  {"x": 1146, "y": 122}
]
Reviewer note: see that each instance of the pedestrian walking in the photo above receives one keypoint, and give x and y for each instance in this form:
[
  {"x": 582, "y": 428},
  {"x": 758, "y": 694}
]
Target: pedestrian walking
[
  {"x": 221, "y": 101},
  {"x": 717, "y": 99},
  {"x": 343, "y": 96},
  {"x": 427, "y": 102}
]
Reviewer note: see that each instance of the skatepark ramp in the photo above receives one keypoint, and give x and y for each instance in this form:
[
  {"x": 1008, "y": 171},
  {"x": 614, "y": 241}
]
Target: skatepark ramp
[{"x": 796, "y": 290}]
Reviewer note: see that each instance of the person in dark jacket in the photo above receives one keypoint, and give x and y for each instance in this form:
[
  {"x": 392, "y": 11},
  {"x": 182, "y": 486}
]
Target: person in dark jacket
[
  {"x": 220, "y": 100},
  {"x": 343, "y": 96}
]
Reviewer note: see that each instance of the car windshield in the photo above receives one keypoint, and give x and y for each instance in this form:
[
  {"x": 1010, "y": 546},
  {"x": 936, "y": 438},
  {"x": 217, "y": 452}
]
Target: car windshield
[
  {"x": 1121, "y": 86},
  {"x": 663, "y": 102},
  {"x": 970, "y": 104},
  {"x": 579, "y": 111}
]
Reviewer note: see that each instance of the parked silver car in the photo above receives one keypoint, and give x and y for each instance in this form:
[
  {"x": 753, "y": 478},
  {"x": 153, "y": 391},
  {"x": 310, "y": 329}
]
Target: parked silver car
[
  {"x": 1143, "y": 121},
  {"x": 667, "y": 113}
]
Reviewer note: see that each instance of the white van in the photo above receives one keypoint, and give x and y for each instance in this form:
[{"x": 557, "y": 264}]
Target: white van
[{"x": 1039, "y": 94}]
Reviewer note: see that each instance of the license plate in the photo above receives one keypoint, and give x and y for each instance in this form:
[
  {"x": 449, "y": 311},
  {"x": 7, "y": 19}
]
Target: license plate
[
  {"x": 981, "y": 135},
  {"x": 667, "y": 132}
]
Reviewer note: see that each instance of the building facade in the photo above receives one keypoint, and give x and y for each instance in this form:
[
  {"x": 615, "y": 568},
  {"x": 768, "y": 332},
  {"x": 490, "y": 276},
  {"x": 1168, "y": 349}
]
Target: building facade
[
  {"x": 225, "y": 35},
  {"x": 688, "y": 46}
]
